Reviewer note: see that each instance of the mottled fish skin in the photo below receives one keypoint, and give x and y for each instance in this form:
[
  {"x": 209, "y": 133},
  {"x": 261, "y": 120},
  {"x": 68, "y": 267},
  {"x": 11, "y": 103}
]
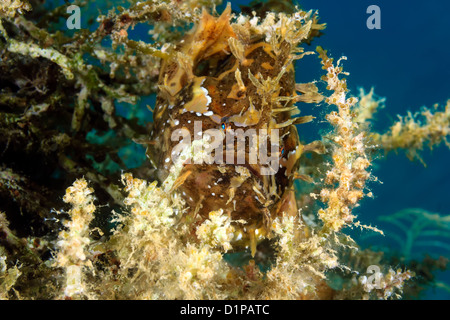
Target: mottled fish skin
[{"x": 205, "y": 81}]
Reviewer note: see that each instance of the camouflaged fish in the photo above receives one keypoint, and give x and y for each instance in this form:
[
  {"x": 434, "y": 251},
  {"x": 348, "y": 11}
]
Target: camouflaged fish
[{"x": 229, "y": 78}]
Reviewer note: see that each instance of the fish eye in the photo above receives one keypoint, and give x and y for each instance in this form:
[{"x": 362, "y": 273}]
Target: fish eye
[{"x": 225, "y": 126}]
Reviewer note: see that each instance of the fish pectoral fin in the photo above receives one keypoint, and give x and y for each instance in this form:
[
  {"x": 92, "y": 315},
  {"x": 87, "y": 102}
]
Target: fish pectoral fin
[
  {"x": 252, "y": 237},
  {"x": 315, "y": 146},
  {"x": 303, "y": 177},
  {"x": 304, "y": 119},
  {"x": 180, "y": 180}
]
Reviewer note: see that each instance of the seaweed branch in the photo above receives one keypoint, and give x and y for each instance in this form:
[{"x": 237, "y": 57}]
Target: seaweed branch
[
  {"x": 348, "y": 173},
  {"x": 414, "y": 131},
  {"x": 419, "y": 228}
]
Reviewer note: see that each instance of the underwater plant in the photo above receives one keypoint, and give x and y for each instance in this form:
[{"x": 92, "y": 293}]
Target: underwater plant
[
  {"x": 203, "y": 215},
  {"x": 418, "y": 228}
]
